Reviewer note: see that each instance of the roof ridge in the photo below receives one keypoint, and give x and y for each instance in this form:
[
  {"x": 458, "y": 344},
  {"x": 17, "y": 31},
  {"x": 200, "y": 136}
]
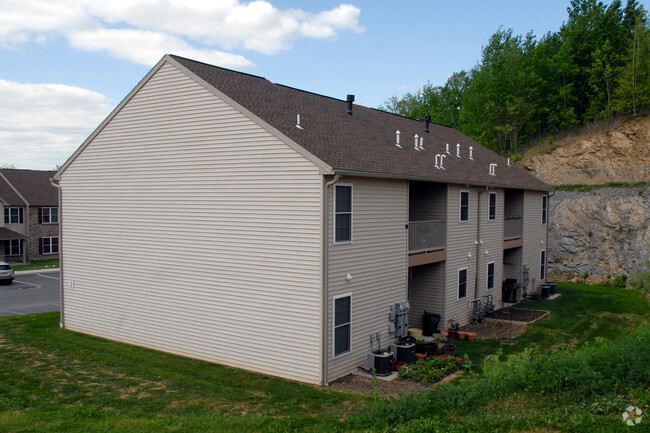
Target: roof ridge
[{"x": 177, "y": 57}]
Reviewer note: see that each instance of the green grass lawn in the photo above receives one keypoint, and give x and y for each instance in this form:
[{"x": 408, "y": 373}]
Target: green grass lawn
[
  {"x": 575, "y": 371},
  {"x": 38, "y": 264}
]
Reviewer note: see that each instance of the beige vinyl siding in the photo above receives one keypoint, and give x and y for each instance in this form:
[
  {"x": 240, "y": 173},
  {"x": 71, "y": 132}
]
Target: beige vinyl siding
[
  {"x": 190, "y": 229},
  {"x": 376, "y": 259},
  {"x": 512, "y": 264},
  {"x": 492, "y": 248},
  {"x": 460, "y": 242},
  {"x": 426, "y": 292},
  {"x": 534, "y": 236}
]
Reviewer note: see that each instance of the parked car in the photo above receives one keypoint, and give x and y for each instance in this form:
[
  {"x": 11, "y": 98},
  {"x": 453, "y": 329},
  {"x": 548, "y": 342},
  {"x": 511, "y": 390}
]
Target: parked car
[{"x": 6, "y": 273}]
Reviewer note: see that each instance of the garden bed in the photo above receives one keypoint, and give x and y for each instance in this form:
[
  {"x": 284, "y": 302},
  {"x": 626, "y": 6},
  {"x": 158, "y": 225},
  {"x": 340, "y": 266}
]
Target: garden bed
[{"x": 518, "y": 315}]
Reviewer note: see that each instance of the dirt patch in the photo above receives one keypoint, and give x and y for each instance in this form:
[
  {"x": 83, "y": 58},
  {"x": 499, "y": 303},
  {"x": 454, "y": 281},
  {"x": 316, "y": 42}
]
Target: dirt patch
[
  {"x": 385, "y": 388},
  {"x": 488, "y": 330},
  {"x": 518, "y": 315}
]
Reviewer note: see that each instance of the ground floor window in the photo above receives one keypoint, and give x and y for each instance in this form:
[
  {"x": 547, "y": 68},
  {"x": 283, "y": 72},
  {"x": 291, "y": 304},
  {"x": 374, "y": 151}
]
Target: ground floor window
[
  {"x": 542, "y": 267},
  {"x": 13, "y": 247},
  {"x": 342, "y": 324},
  {"x": 462, "y": 283},
  {"x": 490, "y": 276},
  {"x": 50, "y": 245}
]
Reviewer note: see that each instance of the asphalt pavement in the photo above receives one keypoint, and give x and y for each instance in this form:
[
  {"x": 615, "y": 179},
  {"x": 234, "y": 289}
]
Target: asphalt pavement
[{"x": 34, "y": 292}]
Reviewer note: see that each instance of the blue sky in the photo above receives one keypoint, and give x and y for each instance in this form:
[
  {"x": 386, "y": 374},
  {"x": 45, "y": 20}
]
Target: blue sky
[{"x": 64, "y": 64}]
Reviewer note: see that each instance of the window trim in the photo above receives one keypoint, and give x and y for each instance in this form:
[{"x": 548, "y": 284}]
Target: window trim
[
  {"x": 487, "y": 276},
  {"x": 334, "y": 326},
  {"x": 47, "y": 210},
  {"x": 460, "y": 206},
  {"x": 542, "y": 265},
  {"x": 335, "y": 213},
  {"x": 50, "y": 245},
  {"x": 7, "y": 216},
  {"x": 458, "y": 283},
  {"x": 492, "y": 217},
  {"x": 20, "y": 247},
  {"x": 544, "y": 209}
]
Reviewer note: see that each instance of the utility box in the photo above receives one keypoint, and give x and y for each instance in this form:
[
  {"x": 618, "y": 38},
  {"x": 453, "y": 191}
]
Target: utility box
[{"x": 399, "y": 316}]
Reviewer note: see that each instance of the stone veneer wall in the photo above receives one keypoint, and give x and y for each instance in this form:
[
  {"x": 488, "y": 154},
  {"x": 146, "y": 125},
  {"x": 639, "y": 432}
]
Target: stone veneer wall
[{"x": 36, "y": 232}]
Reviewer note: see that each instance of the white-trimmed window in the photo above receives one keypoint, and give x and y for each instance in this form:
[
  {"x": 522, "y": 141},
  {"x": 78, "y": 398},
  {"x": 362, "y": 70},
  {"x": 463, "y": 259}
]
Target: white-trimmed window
[
  {"x": 542, "y": 265},
  {"x": 49, "y": 245},
  {"x": 492, "y": 206},
  {"x": 49, "y": 215},
  {"x": 342, "y": 324},
  {"x": 490, "y": 276},
  {"x": 13, "y": 247},
  {"x": 342, "y": 213},
  {"x": 13, "y": 215},
  {"x": 462, "y": 283},
  {"x": 463, "y": 214},
  {"x": 544, "y": 208}
]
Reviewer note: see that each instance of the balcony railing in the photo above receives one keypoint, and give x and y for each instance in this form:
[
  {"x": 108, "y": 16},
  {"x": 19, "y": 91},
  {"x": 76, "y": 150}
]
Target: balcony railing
[
  {"x": 426, "y": 236},
  {"x": 513, "y": 227}
]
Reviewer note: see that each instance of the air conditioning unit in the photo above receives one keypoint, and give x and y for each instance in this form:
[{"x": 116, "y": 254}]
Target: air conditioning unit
[
  {"x": 404, "y": 352},
  {"x": 381, "y": 361}
]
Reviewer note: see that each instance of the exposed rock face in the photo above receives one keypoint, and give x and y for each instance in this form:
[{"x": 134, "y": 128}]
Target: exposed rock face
[
  {"x": 601, "y": 232},
  {"x": 624, "y": 145}
]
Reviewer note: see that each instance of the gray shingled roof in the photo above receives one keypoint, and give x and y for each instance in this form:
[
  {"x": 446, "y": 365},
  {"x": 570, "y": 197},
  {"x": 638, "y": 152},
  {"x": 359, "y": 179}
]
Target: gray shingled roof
[
  {"x": 33, "y": 185},
  {"x": 363, "y": 143}
]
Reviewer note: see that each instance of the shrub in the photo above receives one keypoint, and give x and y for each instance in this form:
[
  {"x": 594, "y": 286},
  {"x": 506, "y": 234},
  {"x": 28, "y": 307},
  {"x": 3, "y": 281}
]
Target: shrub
[{"x": 620, "y": 281}]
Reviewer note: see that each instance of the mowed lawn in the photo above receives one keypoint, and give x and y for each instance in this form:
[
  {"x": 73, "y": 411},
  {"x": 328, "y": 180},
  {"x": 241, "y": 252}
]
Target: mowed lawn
[{"x": 52, "y": 380}]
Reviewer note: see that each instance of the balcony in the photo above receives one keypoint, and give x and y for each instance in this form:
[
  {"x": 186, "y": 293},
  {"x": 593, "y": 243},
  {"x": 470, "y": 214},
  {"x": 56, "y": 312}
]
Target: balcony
[
  {"x": 513, "y": 227},
  {"x": 426, "y": 236},
  {"x": 426, "y": 242},
  {"x": 512, "y": 232}
]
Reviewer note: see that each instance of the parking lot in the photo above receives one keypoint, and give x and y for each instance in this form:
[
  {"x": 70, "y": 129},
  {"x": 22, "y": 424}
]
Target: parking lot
[{"x": 33, "y": 293}]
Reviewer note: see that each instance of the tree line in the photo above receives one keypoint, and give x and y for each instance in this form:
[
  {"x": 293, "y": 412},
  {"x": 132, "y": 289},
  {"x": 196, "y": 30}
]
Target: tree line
[{"x": 596, "y": 66}]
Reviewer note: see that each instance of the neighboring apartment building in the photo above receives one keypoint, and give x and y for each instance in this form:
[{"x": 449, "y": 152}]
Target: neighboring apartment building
[
  {"x": 29, "y": 227},
  {"x": 272, "y": 229}
]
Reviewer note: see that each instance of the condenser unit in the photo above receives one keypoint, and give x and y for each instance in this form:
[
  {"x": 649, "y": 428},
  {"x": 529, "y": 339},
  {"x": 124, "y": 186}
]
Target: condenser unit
[{"x": 381, "y": 361}]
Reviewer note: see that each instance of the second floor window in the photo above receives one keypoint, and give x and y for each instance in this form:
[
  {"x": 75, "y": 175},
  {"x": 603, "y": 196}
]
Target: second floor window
[
  {"x": 343, "y": 213},
  {"x": 544, "y": 207},
  {"x": 464, "y": 206},
  {"x": 13, "y": 215},
  {"x": 49, "y": 215},
  {"x": 492, "y": 206}
]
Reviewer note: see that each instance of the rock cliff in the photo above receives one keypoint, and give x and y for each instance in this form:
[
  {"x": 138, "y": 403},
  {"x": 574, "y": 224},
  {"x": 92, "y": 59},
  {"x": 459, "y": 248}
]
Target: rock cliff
[
  {"x": 624, "y": 145},
  {"x": 602, "y": 232}
]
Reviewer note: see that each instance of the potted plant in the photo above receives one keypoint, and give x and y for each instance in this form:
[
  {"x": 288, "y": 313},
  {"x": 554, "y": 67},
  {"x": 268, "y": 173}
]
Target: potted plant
[
  {"x": 461, "y": 334},
  {"x": 471, "y": 336},
  {"x": 453, "y": 328}
]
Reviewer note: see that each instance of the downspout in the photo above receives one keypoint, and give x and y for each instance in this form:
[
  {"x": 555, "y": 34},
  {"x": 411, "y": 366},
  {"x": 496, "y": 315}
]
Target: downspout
[
  {"x": 61, "y": 322},
  {"x": 325, "y": 283}
]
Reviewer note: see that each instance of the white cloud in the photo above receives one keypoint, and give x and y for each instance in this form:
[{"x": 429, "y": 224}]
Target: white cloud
[
  {"x": 179, "y": 24},
  {"x": 41, "y": 125},
  {"x": 150, "y": 48}
]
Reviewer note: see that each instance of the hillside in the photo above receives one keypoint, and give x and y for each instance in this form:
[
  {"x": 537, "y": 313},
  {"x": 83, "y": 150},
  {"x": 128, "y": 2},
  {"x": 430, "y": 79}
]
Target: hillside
[{"x": 624, "y": 145}]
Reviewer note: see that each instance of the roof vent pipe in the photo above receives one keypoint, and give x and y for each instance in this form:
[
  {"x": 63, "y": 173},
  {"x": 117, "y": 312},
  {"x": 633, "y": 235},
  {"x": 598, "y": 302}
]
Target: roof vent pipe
[
  {"x": 427, "y": 120},
  {"x": 470, "y": 153},
  {"x": 397, "y": 133},
  {"x": 416, "y": 143},
  {"x": 458, "y": 150},
  {"x": 446, "y": 147},
  {"x": 508, "y": 162},
  {"x": 442, "y": 158},
  {"x": 421, "y": 143},
  {"x": 298, "y": 122},
  {"x": 350, "y": 101},
  {"x": 437, "y": 157},
  {"x": 492, "y": 167}
]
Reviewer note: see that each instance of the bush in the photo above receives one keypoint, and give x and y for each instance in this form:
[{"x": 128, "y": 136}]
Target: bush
[{"x": 620, "y": 281}]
